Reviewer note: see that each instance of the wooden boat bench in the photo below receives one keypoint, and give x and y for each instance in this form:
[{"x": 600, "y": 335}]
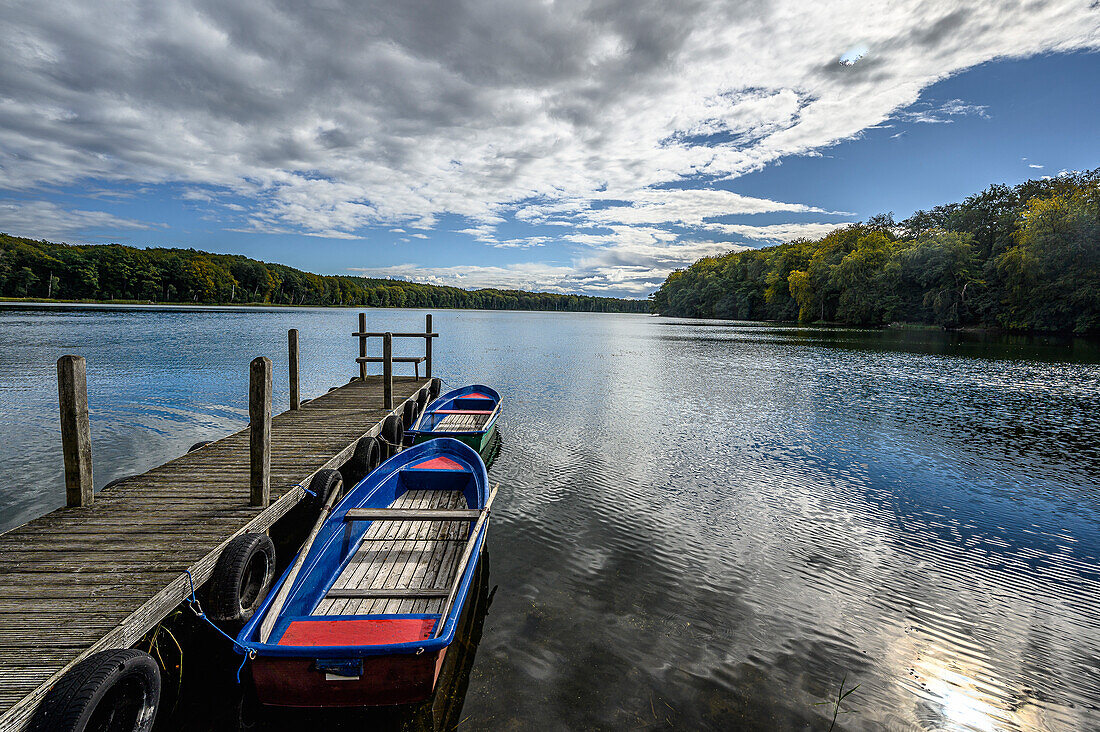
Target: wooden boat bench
[
  {"x": 411, "y": 514},
  {"x": 415, "y": 548}
]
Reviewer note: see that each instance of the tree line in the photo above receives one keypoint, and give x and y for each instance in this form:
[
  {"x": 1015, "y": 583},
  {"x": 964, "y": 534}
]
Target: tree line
[
  {"x": 41, "y": 269},
  {"x": 1024, "y": 257}
]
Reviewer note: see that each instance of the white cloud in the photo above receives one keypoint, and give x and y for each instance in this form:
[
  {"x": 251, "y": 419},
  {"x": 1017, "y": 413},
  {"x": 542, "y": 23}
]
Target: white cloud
[
  {"x": 328, "y": 120},
  {"x": 1033, "y": 165},
  {"x": 634, "y": 269},
  {"x": 776, "y": 232},
  {"x": 925, "y": 113},
  {"x": 45, "y": 219},
  {"x": 528, "y": 276}
]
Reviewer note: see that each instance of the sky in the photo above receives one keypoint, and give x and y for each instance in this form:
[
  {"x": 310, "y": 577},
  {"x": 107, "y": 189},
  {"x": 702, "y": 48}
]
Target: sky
[{"x": 563, "y": 146}]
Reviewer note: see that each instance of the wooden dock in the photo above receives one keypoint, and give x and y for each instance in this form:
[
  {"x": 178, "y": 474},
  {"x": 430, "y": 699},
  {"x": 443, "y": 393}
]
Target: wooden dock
[{"x": 85, "y": 579}]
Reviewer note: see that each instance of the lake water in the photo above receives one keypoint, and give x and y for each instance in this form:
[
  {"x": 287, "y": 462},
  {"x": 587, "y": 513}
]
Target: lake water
[{"x": 702, "y": 525}]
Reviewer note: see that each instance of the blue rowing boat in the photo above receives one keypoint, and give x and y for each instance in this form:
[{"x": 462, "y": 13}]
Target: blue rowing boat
[
  {"x": 367, "y": 611},
  {"x": 468, "y": 414}
]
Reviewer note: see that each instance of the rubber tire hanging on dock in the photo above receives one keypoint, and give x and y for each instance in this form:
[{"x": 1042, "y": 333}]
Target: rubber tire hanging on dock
[
  {"x": 199, "y": 445},
  {"x": 242, "y": 577},
  {"x": 435, "y": 387},
  {"x": 409, "y": 413},
  {"x": 365, "y": 459},
  {"x": 110, "y": 691},
  {"x": 323, "y": 484},
  {"x": 421, "y": 400},
  {"x": 393, "y": 431}
]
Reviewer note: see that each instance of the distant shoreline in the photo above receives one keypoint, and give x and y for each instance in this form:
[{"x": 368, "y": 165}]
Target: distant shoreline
[
  {"x": 4, "y": 301},
  {"x": 43, "y": 271}
]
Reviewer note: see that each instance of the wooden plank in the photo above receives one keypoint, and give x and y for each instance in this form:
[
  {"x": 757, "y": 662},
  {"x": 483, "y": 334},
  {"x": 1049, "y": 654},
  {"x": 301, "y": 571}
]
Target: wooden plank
[
  {"x": 411, "y": 514},
  {"x": 395, "y": 359},
  {"x": 379, "y": 334},
  {"x": 404, "y": 572},
  {"x": 399, "y": 564},
  {"x": 403, "y": 592},
  {"x": 363, "y": 574},
  {"x": 467, "y": 555},
  {"x": 418, "y": 567}
]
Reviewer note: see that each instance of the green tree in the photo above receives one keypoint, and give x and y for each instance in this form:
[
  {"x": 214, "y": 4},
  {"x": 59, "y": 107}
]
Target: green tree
[{"x": 1053, "y": 272}]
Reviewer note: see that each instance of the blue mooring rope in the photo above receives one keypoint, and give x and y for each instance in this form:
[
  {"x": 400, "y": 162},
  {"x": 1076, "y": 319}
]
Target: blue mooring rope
[{"x": 247, "y": 650}]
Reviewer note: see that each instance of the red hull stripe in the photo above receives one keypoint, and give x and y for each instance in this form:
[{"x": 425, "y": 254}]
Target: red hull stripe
[
  {"x": 360, "y": 632},
  {"x": 439, "y": 463}
]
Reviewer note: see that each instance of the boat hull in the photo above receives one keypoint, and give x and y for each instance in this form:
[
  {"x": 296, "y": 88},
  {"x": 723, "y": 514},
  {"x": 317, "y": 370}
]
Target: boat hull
[
  {"x": 478, "y": 440},
  {"x": 386, "y": 680}
]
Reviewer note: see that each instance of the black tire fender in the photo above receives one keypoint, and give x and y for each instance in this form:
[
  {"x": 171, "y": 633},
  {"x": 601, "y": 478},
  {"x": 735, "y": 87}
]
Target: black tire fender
[
  {"x": 199, "y": 445},
  {"x": 434, "y": 388},
  {"x": 409, "y": 412},
  {"x": 421, "y": 400},
  {"x": 323, "y": 484},
  {"x": 242, "y": 577},
  {"x": 112, "y": 690},
  {"x": 362, "y": 461},
  {"x": 393, "y": 430},
  {"x": 376, "y": 458}
]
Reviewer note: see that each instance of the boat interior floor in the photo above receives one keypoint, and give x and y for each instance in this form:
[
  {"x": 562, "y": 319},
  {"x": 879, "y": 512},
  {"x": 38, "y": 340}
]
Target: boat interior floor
[
  {"x": 414, "y": 555},
  {"x": 463, "y": 423}
]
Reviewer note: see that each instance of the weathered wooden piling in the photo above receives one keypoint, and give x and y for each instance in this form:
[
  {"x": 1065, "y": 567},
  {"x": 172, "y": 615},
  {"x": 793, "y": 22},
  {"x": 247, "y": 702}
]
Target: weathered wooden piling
[
  {"x": 292, "y": 358},
  {"x": 259, "y": 430},
  {"x": 362, "y": 346},
  {"x": 428, "y": 346},
  {"x": 76, "y": 433},
  {"x": 387, "y": 370}
]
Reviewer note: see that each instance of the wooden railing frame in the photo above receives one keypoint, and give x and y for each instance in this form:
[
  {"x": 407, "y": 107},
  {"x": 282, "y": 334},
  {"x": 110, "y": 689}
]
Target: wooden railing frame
[{"x": 387, "y": 359}]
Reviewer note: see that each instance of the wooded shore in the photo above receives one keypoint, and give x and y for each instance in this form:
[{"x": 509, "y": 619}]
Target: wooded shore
[{"x": 1022, "y": 258}]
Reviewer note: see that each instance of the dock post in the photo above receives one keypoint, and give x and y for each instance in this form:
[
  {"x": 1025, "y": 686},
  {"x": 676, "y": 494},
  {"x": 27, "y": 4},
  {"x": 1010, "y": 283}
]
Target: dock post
[
  {"x": 428, "y": 346},
  {"x": 292, "y": 353},
  {"x": 362, "y": 346},
  {"x": 76, "y": 433},
  {"x": 387, "y": 370},
  {"x": 259, "y": 441}
]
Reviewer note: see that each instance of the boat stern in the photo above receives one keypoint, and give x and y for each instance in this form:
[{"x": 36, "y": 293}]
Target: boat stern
[
  {"x": 351, "y": 682},
  {"x": 322, "y": 664}
]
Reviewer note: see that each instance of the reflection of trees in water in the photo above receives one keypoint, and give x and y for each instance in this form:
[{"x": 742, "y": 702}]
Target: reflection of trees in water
[
  {"x": 441, "y": 712},
  {"x": 492, "y": 450}
]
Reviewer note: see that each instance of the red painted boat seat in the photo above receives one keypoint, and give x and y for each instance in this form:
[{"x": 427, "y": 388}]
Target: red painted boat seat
[
  {"x": 439, "y": 463},
  {"x": 475, "y": 395},
  {"x": 463, "y": 411},
  {"x": 357, "y": 632}
]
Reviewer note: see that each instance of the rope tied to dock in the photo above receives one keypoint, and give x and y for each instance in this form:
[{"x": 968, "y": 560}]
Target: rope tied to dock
[{"x": 195, "y": 606}]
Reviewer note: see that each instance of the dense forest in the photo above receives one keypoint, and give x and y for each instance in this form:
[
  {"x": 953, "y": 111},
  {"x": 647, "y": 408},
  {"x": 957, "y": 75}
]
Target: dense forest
[
  {"x": 41, "y": 269},
  {"x": 1020, "y": 258}
]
